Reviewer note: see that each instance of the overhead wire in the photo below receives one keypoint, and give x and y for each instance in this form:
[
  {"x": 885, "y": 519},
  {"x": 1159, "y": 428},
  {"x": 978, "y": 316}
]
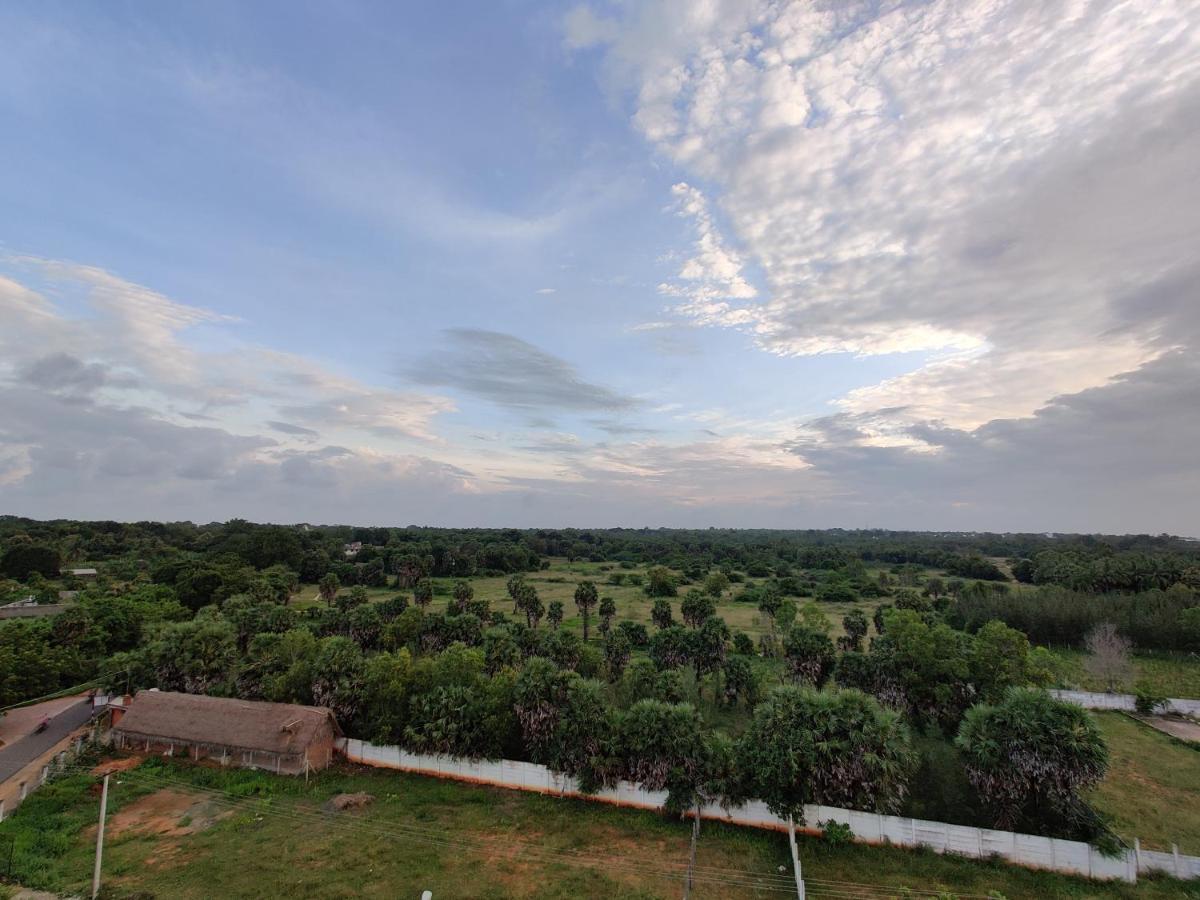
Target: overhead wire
[
  {"x": 511, "y": 846},
  {"x": 494, "y": 847}
]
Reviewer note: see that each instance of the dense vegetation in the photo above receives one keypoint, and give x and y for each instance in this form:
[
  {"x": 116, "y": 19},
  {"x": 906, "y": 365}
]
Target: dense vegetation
[{"x": 689, "y": 705}]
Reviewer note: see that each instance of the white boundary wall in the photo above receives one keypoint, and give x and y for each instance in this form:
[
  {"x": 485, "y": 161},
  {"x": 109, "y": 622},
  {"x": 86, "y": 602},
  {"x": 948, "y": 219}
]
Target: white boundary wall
[
  {"x": 1072, "y": 857},
  {"x": 1090, "y": 700}
]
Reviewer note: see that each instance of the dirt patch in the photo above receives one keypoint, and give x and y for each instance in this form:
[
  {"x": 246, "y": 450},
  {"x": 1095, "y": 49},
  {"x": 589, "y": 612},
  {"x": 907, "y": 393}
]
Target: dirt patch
[
  {"x": 1183, "y": 729},
  {"x": 112, "y": 766},
  {"x": 350, "y": 801},
  {"x": 168, "y": 813}
]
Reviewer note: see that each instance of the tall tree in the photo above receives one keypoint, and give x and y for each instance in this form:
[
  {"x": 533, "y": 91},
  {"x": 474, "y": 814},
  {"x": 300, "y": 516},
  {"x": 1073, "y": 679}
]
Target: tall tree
[
  {"x": 1031, "y": 754},
  {"x": 809, "y": 655},
  {"x": 696, "y": 607},
  {"x": 1108, "y": 656},
  {"x": 423, "y": 593},
  {"x": 463, "y": 594},
  {"x": 328, "y": 587},
  {"x": 608, "y": 611},
  {"x": 660, "y": 614},
  {"x": 586, "y": 597},
  {"x": 855, "y": 625},
  {"x": 836, "y": 748}
]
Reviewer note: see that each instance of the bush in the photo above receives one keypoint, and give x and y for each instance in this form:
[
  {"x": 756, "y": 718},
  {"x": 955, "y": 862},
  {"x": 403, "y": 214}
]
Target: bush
[
  {"x": 836, "y": 833},
  {"x": 1147, "y": 700}
]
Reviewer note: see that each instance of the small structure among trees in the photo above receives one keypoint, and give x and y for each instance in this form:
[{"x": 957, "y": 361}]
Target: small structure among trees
[{"x": 280, "y": 737}]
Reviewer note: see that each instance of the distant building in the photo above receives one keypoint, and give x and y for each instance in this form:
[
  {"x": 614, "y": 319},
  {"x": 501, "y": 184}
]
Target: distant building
[
  {"x": 351, "y": 550},
  {"x": 279, "y": 737},
  {"x": 80, "y": 573}
]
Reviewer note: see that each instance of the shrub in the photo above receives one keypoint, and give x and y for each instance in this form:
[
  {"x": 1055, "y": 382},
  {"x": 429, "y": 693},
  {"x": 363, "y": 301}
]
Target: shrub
[
  {"x": 836, "y": 833},
  {"x": 1148, "y": 700}
]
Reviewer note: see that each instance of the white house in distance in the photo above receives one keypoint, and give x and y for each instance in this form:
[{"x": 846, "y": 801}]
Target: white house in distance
[
  {"x": 351, "y": 550},
  {"x": 79, "y": 573}
]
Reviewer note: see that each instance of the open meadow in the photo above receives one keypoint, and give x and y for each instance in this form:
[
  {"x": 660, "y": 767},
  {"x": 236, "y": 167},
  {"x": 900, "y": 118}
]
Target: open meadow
[{"x": 176, "y": 830}]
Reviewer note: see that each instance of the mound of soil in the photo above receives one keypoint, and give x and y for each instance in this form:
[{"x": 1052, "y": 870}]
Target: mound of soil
[{"x": 349, "y": 801}]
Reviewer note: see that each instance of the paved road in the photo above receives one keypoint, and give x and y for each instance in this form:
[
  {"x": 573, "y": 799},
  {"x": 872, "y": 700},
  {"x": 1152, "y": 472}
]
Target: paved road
[{"x": 17, "y": 756}]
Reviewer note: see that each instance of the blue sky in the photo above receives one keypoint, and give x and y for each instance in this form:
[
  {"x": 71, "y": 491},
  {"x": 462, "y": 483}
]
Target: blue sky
[{"x": 660, "y": 263}]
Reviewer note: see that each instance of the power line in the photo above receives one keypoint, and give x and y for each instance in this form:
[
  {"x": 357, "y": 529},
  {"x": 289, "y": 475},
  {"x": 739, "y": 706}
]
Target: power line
[
  {"x": 491, "y": 848},
  {"x": 64, "y": 692}
]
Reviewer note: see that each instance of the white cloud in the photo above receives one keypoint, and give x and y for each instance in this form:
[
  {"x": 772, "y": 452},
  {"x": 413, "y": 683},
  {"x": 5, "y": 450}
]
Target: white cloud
[
  {"x": 987, "y": 179},
  {"x": 132, "y": 345}
]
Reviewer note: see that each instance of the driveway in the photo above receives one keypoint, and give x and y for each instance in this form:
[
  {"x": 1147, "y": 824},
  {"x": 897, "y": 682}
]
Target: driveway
[{"x": 19, "y": 754}]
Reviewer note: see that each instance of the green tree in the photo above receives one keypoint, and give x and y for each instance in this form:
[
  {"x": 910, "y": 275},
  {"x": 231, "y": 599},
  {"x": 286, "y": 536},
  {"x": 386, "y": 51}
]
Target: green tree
[
  {"x": 661, "y": 745},
  {"x": 22, "y": 560},
  {"x": 608, "y": 611},
  {"x": 356, "y": 597},
  {"x": 696, "y": 607},
  {"x": 835, "y": 748},
  {"x": 999, "y": 659},
  {"x": 586, "y": 598},
  {"x": 338, "y": 674},
  {"x": 463, "y": 594},
  {"x": 716, "y": 584},
  {"x": 530, "y": 604},
  {"x": 927, "y": 664},
  {"x": 386, "y": 679},
  {"x": 660, "y": 614},
  {"x": 660, "y": 582},
  {"x": 707, "y": 646},
  {"x": 197, "y": 657},
  {"x": 423, "y": 593},
  {"x": 809, "y": 655},
  {"x": 855, "y": 625},
  {"x": 670, "y": 647},
  {"x": 617, "y": 651},
  {"x": 1031, "y": 754},
  {"x": 539, "y": 697},
  {"x": 515, "y": 587},
  {"x": 739, "y": 682},
  {"x": 583, "y": 742},
  {"x": 743, "y": 644},
  {"x": 554, "y": 614},
  {"x": 328, "y": 587}
]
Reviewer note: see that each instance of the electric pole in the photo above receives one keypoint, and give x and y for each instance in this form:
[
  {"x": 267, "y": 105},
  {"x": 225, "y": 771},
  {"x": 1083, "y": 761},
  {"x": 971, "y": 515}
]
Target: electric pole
[{"x": 100, "y": 838}]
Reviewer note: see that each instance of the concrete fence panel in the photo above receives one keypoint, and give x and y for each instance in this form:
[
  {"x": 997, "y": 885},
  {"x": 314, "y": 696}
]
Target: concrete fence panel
[{"x": 1072, "y": 857}]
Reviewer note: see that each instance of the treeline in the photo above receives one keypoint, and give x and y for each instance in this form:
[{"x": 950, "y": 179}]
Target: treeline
[
  {"x": 42, "y": 656},
  {"x": 1156, "y": 619},
  {"x": 1084, "y": 569}
]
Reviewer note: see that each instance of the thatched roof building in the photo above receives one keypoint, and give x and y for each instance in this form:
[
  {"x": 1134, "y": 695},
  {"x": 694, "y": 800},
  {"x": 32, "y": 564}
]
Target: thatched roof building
[{"x": 281, "y": 737}]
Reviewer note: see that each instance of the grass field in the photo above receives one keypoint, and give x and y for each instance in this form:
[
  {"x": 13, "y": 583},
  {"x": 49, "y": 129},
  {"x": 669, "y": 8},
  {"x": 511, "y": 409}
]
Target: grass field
[
  {"x": 1173, "y": 674},
  {"x": 559, "y": 583},
  {"x": 171, "y": 835},
  {"x": 1152, "y": 790}
]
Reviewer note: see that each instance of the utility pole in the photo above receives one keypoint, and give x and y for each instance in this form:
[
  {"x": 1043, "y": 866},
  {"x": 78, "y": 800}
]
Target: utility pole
[
  {"x": 795, "y": 859},
  {"x": 100, "y": 838},
  {"x": 687, "y": 885}
]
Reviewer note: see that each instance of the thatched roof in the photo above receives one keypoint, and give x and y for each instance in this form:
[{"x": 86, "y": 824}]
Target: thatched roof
[{"x": 217, "y": 721}]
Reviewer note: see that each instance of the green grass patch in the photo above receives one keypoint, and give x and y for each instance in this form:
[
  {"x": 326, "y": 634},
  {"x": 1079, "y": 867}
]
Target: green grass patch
[
  {"x": 1171, "y": 674},
  {"x": 280, "y": 839},
  {"x": 1152, "y": 790}
]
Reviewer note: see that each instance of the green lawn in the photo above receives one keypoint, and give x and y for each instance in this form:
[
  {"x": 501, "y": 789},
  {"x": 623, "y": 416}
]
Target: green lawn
[
  {"x": 1152, "y": 790},
  {"x": 1173, "y": 674},
  {"x": 169, "y": 839}
]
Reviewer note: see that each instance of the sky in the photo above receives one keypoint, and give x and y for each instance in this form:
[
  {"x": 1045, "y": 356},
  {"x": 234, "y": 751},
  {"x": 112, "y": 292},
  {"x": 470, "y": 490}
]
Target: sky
[{"x": 734, "y": 263}]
